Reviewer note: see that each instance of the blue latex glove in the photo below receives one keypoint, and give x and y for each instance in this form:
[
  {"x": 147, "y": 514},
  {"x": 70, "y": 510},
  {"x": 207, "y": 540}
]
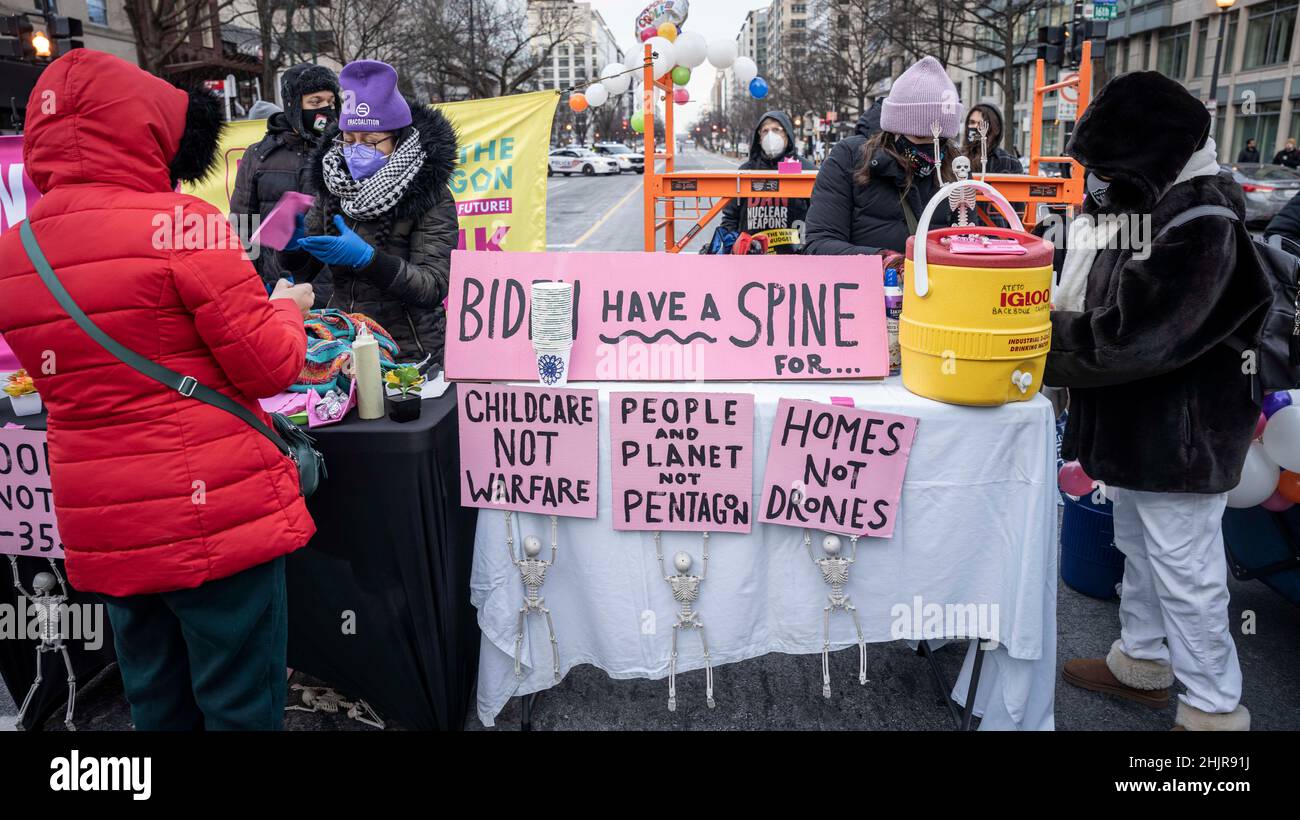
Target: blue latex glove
[
  {"x": 299, "y": 233},
  {"x": 347, "y": 249}
]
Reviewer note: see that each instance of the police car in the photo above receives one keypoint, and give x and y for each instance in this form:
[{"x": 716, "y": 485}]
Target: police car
[
  {"x": 628, "y": 160},
  {"x": 580, "y": 161}
]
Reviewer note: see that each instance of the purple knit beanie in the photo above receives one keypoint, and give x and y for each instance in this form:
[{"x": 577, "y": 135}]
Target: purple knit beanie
[
  {"x": 920, "y": 96},
  {"x": 371, "y": 101}
]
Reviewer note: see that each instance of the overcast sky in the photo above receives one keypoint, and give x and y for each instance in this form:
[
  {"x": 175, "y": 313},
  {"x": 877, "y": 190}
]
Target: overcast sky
[{"x": 715, "y": 19}]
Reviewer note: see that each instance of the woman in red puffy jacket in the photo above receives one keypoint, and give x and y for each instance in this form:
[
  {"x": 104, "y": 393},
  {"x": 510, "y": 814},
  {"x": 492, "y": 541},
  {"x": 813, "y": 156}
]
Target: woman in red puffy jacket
[{"x": 178, "y": 513}]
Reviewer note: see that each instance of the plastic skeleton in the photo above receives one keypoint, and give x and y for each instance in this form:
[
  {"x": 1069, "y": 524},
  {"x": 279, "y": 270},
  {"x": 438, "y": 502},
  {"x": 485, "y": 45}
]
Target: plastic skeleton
[
  {"x": 532, "y": 572},
  {"x": 835, "y": 572},
  {"x": 962, "y": 199},
  {"x": 686, "y": 591},
  {"x": 49, "y": 623},
  {"x": 983, "y": 129},
  {"x": 324, "y": 699}
]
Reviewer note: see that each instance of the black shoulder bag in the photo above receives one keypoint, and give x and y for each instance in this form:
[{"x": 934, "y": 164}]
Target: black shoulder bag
[{"x": 287, "y": 436}]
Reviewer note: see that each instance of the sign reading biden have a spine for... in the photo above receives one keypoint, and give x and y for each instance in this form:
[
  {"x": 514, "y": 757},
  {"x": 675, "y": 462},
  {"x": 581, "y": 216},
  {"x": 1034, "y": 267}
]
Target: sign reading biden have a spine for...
[
  {"x": 529, "y": 449},
  {"x": 833, "y": 468},
  {"x": 682, "y": 461},
  {"x": 673, "y": 317},
  {"x": 27, "y": 523}
]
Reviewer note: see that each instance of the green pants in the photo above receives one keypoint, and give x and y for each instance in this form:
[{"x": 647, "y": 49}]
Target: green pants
[{"x": 209, "y": 658}]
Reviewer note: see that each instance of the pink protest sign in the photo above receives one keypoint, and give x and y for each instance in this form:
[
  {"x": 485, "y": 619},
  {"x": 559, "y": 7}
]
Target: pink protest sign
[
  {"x": 682, "y": 461},
  {"x": 674, "y": 317},
  {"x": 838, "y": 469},
  {"x": 528, "y": 449},
  {"x": 17, "y": 192},
  {"x": 27, "y": 525}
]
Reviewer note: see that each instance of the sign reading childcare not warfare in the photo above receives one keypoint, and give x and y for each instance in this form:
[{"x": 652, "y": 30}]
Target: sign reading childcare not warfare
[
  {"x": 833, "y": 468},
  {"x": 682, "y": 461},
  {"x": 674, "y": 317},
  {"x": 528, "y": 449},
  {"x": 27, "y": 524}
]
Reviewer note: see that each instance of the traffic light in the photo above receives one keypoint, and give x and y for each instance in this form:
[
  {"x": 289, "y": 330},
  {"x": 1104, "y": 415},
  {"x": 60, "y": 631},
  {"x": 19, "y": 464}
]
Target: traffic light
[
  {"x": 64, "y": 30},
  {"x": 37, "y": 45},
  {"x": 1051, "y": 44}
]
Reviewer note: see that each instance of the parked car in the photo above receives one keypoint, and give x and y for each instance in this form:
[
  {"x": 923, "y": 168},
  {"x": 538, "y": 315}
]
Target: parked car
[
  {"x": 583, "y": 161},
  {"x": 628, "y": 160},
  {"x": 1267, "y": 188}
]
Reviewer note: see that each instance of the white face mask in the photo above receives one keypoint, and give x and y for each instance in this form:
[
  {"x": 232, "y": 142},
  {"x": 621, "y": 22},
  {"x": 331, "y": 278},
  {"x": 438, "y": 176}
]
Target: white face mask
[{"x": 773, "y": 144}]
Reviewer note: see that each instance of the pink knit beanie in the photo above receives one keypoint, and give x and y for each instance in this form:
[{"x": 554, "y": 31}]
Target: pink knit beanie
[{"x": 920, "y": 96}]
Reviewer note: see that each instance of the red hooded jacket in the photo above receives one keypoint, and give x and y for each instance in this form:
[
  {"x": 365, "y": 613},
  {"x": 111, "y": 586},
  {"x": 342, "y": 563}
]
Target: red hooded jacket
[{"x": 153, "y": 491}]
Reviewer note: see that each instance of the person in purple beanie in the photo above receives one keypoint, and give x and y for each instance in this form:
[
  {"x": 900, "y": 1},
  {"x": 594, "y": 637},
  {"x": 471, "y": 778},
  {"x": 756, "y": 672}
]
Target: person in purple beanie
[{"x": 384, "y": 223}]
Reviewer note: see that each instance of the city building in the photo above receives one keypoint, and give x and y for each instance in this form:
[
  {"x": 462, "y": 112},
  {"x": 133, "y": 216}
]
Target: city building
[{"x": 577, "y": 63}]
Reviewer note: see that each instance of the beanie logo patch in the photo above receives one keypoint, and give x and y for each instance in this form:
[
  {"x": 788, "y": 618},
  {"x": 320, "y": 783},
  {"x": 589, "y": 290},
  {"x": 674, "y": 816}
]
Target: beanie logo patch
[{"x": 363, "y": 109}]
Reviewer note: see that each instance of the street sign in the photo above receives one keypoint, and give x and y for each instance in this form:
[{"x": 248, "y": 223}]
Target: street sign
[
  {"x": 1100, "y": 10},
  {"x": 1070, "y": 94}
]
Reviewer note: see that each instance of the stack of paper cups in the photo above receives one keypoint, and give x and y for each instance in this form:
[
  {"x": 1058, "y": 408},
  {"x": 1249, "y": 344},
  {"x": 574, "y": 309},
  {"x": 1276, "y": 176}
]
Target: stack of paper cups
[{"x": 552, "y": 331}]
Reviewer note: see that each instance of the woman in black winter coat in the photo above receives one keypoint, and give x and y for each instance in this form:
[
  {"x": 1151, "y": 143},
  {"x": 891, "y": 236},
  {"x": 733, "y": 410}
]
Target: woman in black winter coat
[
  {"x": 871, "y": 190},
  {"x": 1000, "y": 160},
  {"x": 780, "y": 219},
  {"x": 282, "y": 160},
  {"x": 385, "y": 240}
]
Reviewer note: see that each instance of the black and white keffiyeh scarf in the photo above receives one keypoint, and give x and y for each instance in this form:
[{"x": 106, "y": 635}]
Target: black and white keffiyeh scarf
[{"x": 376, "y": 195}]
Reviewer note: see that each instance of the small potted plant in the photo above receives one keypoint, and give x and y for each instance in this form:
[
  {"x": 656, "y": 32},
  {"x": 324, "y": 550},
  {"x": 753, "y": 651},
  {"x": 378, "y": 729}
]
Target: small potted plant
[
  {"x": 406, "y": 380},
  {"x": 22, "y": 394}
]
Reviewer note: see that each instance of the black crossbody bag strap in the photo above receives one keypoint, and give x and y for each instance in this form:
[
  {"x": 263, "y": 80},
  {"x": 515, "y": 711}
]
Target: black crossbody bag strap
[{"x": 185, "y": 385}]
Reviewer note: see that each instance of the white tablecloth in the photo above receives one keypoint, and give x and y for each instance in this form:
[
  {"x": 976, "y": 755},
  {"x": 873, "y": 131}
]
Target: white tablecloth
[{"x": 977, "y": 525}]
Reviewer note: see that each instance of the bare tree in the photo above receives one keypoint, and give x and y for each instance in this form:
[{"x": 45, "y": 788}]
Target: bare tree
[
  {"x": 490, "y": 48},
  {"x": 163, "y": 26}
]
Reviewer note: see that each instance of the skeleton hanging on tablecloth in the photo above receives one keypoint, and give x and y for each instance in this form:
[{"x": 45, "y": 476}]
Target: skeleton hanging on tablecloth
[
  {"x": 686, "y": 591},
  {"x": 49, "y": 611},
  {"x": 532, "y": 572},
  {"x": 835, "y": 572}
]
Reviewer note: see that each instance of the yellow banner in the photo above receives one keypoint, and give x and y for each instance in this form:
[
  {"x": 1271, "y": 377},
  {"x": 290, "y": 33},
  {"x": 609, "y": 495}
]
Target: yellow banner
[
  {"x": 499, "y": 183},
  {"x": 220, "y": 186}
]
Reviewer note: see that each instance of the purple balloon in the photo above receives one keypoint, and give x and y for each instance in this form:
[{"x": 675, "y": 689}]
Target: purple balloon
[
  {"x": 1277, "y": 503},
  {"x": 1274, "y": 402}
]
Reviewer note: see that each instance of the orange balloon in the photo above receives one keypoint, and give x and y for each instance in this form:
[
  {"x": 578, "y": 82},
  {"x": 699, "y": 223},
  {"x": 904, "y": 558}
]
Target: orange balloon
[
  {"x": 578, "y": 102},
  {"x": 1289, "y": 486},
  {"x": 668, "y": 31}
]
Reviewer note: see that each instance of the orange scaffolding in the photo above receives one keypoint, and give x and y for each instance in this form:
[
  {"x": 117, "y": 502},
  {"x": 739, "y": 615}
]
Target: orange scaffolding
[{"x": 696, "y": 197}]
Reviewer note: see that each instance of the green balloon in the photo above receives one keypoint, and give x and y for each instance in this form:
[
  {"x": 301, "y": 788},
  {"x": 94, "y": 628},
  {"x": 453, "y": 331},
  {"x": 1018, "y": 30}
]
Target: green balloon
[
  {"x": 681, "y": 75},
  {"x": 638, "y": 122}
]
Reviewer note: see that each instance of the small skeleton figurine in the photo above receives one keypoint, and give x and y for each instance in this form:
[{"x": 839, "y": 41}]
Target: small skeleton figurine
[
  {"x": 962, "y": 199},
  {"x": 936, "y": 129},
  {"x": 50, "y": 625},
  {"x": 532, "y": 572},
  {"x": 324, "y": 699},
  {"x": 686, "y": 591},
  {"x": 835, "y": 572},
  {"x": 983, "y": 129}
]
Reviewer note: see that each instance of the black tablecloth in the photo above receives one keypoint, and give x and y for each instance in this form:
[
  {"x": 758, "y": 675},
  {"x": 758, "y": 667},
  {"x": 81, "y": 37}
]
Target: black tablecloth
[{"x": 378, "y": 601}]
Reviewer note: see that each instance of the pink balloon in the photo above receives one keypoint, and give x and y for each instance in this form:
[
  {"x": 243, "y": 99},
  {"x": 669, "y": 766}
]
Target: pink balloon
[
  {"x": 681, "y": 96},
  {"x": 648, "y": 32},
  {"x": 1259, "y": 425},
  {"x": 1073, "y": 480},
  {"x": 1277, "y": 503}
]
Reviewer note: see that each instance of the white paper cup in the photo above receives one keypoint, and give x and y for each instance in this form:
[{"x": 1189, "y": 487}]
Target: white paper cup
[{"x": 553, "y": 366}]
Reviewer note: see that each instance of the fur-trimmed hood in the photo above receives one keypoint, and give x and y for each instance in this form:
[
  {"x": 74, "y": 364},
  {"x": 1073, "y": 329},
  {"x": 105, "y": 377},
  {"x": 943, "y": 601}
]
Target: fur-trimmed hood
[
  {"x": 1140, "y": 131},
  {"x": 441, "y": 144}
]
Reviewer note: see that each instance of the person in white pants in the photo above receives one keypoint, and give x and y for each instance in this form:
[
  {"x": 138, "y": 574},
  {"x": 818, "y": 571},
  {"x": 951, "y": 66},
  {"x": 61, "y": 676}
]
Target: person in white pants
[{"x": 1161, "y": 410}]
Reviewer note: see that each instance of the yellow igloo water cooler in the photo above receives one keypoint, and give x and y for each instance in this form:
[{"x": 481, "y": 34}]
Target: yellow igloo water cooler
[{"x": 975, "y": 327}]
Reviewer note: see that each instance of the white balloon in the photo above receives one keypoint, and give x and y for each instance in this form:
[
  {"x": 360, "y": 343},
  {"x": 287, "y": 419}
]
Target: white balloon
[
  {"x": 746, "y": 70},
  {"x": 1282, "y": 438},
  {"x": 597, "y": 95},
  {"x": 615, "y": 85},
  {"x": 722, "y": 53},
  {"x": 691, "y": 48},
  {"x": 1259, "y": 477},
  {"x": 665, "y": 56}
]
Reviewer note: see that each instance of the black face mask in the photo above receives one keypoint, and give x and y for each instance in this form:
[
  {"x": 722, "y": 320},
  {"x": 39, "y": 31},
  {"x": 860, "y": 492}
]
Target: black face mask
[
  {"x": 972, "y": 135},
  {"x": 919, "y": 156},
  {"x": 316, "y": 120}
]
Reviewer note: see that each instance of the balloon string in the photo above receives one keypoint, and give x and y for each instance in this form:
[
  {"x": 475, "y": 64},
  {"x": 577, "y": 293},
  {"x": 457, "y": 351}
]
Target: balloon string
[{"x": 632, "y": 70}]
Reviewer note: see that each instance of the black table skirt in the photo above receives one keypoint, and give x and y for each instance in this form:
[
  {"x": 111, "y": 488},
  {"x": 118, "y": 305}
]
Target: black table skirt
[{"x": 378, "y": 601}]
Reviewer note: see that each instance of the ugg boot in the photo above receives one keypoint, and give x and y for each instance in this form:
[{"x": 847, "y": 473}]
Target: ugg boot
[
  {"x": 1141, "y": 681},
  {"x": 1194, "y": 720}
]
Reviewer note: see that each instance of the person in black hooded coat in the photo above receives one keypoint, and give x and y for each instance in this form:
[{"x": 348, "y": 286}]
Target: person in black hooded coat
[
  {"x": 1000, "y": 160},
  {"x": 1161, "y": 410},
  {"x": 282, "y": 160},
  {"x": 403, "y": 286},
  {"x": 779, "y": 218}
]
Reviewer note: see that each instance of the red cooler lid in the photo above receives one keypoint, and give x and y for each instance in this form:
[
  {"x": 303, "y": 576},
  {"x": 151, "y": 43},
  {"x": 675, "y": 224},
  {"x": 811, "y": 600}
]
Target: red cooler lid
[{"x": 1038, "y": 252}]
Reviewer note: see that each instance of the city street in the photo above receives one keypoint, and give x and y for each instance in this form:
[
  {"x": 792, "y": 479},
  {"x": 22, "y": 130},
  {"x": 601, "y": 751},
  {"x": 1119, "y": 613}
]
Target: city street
[{"x": 588, "y": 214}]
